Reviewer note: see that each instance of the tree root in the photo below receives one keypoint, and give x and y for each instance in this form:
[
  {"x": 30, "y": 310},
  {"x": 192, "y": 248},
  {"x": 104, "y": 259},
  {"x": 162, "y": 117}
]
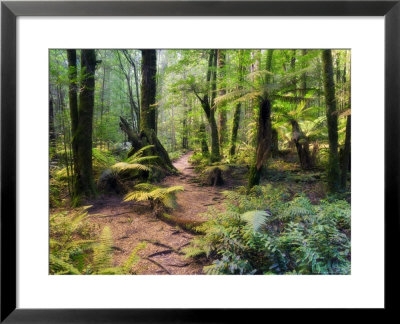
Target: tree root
[{"x": 158, "y": 264}]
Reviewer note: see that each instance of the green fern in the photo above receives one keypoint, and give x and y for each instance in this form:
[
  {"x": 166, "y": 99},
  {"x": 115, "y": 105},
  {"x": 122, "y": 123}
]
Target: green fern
[
  {"x": 127, "y": 266},
  {"x": 59, "y": 266},
  {"x": 136, "y": 162},
  {"x": 256, "y": 219},
  {"x": 102, "y": 252},
  {"x": 157, "y": 196},
  {"x": 123, "y": 166}
]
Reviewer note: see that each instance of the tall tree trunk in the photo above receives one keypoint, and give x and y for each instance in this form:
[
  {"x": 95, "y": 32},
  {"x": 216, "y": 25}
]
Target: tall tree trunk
[
  {"x": 84, "y": 129},
  {"x": 134, "y": 110},
  {"x": 185, "y": 142},
  {"x": 208, "y": 105},
  {"x": 263, "y": 142},
  {"x": 148, "y": 91},
  {"x": 222, "y": 91},
  {"x": 236, "y": 114},
  {"x": 102, "y": 106},
  {"x": 346, "y": 154},
  {"x": 274, "y": 143},
  {"x": 332, "y": 119},
  {"x": 299, "y": 139},
  {"x": 235, "y": 128},
  {"x": 73, "y": 110},
  {"x": 147, "y": 135},
  {"x": 203, "y": 140},
  {"x": 215, "y": 151},
  {"x": 302, "y": 146},
  {"x": 131, "y": 61},
  {"x": 52, "y": 132}
]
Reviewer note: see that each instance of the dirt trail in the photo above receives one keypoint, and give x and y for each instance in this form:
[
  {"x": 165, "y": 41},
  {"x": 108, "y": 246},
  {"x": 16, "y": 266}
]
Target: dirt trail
[{"x": 132, "y": 223}]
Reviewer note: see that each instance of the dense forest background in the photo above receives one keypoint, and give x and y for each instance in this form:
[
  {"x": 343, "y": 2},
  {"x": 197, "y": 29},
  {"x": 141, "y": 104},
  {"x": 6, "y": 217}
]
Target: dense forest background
[{"x": 246, "y": 153}]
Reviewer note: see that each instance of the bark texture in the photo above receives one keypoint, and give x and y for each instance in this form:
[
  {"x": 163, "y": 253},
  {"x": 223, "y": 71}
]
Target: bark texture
[
  {"x": 302, "y": 146},
  {"x": 203, "y": 139},
  {"x": 264, "y": 135},
  {"x": 73, "y": 103},
  {"x": 236, "y": 114},
  {"x": 148, "y": 91},
  {"x": 84, "y": 184},
  {"x": 332, "y": 119},
  {"x": 346, "y": 154},
  {"x": 222, "y": 91}
]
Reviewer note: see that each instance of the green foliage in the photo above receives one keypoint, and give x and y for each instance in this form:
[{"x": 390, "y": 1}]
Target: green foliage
[
  {"x": 264, "y": 233},
  {"x": 74, "y": 249},
  {"x": 135, "y": 164},
  {"x": 159, "y": 198},
  {"x": 256, "y": 219},
  {"x": 175, "y": 155},
  {"x": 102, "y": 252}
]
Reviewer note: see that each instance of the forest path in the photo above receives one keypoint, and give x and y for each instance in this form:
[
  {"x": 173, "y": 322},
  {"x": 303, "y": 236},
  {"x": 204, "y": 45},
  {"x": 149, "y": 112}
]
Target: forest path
[
  {"x": 133, "y": 222},
  {"x": 196, "y": 198}
]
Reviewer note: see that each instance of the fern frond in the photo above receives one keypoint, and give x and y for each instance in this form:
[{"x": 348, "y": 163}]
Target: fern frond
[
  {"x": 140, "y": 152},
  {"x": 142, "y": 159},
  {"x": 249, "y": 96},
  {"x": 59, "y": 266},
  {"x": 122, "y": 166},
  {"x": 137, "y": 195},
  {"x": 174, "y": 189},
  {"x": 290, "y": 99},
  {"x": 256, "y": 219},
  {"x": 133, "y": 258},
  {"x": 102, "y": 252},
  {"x": 230, "y": 96}
]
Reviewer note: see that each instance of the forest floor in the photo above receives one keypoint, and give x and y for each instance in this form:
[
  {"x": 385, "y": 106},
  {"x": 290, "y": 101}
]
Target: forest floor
[{"x": 133, "y": 222}]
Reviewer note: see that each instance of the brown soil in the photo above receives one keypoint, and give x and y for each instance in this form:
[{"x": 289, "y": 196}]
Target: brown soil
[{"x": 133, "y": 222}]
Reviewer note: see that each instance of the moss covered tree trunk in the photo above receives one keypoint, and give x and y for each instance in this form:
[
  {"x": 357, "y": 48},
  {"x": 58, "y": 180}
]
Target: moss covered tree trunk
[
  {"x": 346, "y": 154},
  {"x": 52, "y": 132},
  {"x": 302, "y": 146},
  {"x": 236, "y": 113},
  {"x": 235, "y": 128},
  {"x": 148, "y": 91},
  {"x": 264, "y": 132},
  {"x": 208, "y": 105},
  {"x": 299, "y": 139},
  {"x": 84, "y": 185},
  {"x": 222, "y": 91},
  {"x": 73, "y": 103},
  {"x": 264, "y": 136},
  {"x": 147, "y": 135},
  {"x": 332, "y": 119},
  {"x": 203, "y": 140},
  {"x": 274, "y": 143}
]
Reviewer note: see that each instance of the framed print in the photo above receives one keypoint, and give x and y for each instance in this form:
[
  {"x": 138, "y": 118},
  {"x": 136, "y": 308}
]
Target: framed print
[{"x": 149, "y": 146}]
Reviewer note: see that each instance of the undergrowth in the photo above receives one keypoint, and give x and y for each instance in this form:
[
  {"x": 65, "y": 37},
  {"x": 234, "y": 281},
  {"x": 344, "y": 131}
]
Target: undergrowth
[
  {"x": 75, "y": 250},
  {"x": 266, "y": 233}
]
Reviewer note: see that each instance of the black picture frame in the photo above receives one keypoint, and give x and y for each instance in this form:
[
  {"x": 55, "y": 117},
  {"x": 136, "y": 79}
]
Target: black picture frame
[{"x": 9, "y": 13}]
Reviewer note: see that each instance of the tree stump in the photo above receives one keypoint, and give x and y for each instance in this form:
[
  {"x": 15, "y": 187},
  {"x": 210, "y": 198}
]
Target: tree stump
[{"x": 214, "y": 177}]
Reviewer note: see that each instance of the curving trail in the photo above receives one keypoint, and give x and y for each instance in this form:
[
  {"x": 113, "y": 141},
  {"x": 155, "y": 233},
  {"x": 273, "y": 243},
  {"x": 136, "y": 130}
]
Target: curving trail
[{"x": 132, "y": 223}]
